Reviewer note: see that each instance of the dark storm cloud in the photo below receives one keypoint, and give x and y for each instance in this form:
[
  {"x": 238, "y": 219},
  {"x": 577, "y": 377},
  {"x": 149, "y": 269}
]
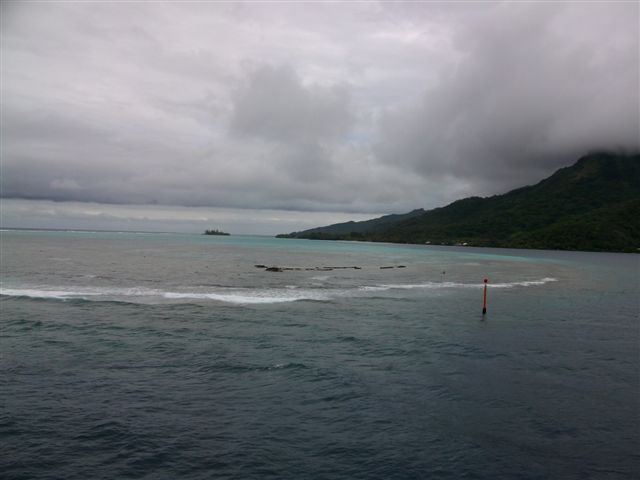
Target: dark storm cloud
[
  {"x": 368, "y": 107},
  {"x": 538, "y": 86}
]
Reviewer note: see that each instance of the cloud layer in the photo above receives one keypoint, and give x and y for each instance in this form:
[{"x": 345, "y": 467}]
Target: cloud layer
[{"x": 354, "y": 107}]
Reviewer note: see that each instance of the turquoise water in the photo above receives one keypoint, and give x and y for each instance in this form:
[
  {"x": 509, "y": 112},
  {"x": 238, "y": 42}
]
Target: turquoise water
[{"x": 172, "y": 356}]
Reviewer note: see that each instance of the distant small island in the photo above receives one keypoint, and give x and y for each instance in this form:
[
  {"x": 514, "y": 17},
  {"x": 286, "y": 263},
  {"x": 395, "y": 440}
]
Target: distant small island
[{"x": 215, "y": 232}]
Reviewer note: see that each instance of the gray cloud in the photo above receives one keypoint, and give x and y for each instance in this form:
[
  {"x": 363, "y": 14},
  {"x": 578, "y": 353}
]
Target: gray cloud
[
  {"x": 537, "y": 87},
  {"x": 273, "y": 104},
  {"x": 368, "y": 107}
]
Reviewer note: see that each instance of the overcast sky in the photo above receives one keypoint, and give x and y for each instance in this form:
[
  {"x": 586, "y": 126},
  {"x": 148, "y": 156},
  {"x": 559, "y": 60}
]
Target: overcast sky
[{"x": 268, "y": 117}]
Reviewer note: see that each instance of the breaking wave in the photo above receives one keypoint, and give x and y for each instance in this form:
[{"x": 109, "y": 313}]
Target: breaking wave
[
  {"x": 146, "y": 295},
  {"x": 239, "y": 296},
  {"x": 444, "y": 285}
]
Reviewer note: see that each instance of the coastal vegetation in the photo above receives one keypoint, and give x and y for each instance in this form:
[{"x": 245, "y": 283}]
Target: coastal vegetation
[{"x": 593, "y": 205}]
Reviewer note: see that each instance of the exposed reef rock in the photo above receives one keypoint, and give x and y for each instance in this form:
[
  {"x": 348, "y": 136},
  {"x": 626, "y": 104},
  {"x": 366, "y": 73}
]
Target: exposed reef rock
[{"x": 317, "y": 269}]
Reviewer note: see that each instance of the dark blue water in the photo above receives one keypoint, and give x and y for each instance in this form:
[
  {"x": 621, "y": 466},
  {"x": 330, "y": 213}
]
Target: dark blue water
[{"x": 172, "y": 356}]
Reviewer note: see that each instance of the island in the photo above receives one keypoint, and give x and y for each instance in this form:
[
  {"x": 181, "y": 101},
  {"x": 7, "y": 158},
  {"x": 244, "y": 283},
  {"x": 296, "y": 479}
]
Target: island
[
  {"x": 593, "y": 205},
  {"x": 215, "y": 232}
]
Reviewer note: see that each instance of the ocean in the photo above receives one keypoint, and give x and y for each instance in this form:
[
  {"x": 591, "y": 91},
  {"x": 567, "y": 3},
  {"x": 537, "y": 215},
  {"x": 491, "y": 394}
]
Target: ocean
[{"x": 165, "y": 356}]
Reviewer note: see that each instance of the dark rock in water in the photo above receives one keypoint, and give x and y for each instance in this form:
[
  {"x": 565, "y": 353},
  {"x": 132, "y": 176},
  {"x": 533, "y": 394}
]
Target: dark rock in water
[{"x": 318, "y": 269}]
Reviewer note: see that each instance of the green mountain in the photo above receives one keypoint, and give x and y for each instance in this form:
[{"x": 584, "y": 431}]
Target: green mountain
[
  {"x": 332, "y": 232},
  {"x": 592, "y": 205}
]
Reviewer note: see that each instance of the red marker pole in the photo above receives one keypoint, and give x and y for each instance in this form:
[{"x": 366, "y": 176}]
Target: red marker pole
[{"x": 484, "y": 304}]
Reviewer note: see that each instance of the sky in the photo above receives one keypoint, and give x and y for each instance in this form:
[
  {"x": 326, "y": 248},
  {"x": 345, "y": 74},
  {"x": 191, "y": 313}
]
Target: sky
[{"x": 270, "y": 117}]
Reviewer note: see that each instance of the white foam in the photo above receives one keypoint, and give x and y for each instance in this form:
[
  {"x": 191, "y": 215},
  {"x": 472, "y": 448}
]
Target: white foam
[
  {"x": 441, "y": 285},
  {"x": 34, "y": 293},
  {"x": 320, "y": 278},
  {"x": 76, "y": 292},
  {"x": 249, "y": 297},
  {"x": 378, "y": 288},
  {"x": 239, "y": 296},
  {"x": 525, "y": 283}
]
